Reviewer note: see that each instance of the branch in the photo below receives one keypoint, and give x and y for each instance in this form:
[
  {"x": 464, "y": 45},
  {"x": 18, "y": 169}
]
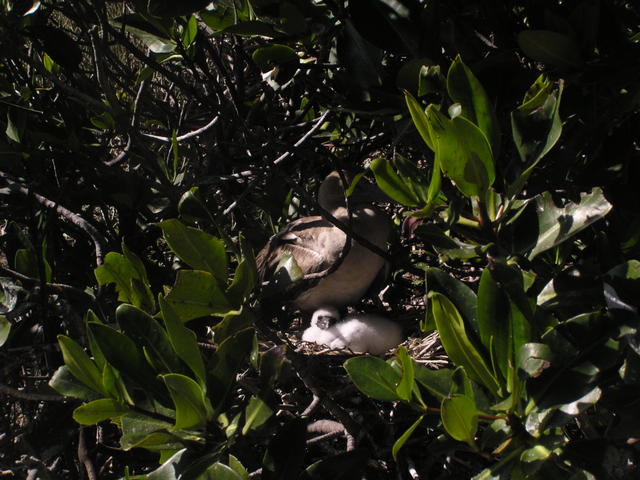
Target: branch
[
  {"x": 83, "y": 456},
  {"x": 186, "y": 136},
  {"x": 35, "y": 397},
  {"x": 150, "y": 62},
  {"x": 318, "y": 123},
  {"x": 98, "y": 240},
  {"x": 54, "y": 287}
]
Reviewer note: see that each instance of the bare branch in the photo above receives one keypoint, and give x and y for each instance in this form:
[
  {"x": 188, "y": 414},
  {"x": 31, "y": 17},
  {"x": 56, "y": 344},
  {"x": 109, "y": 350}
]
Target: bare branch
[{"x": 98, "y": 239}]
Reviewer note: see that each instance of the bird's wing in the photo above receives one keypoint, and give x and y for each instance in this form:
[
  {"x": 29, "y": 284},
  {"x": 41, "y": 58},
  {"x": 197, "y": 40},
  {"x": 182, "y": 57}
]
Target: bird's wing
[{"x": 313, "y": 241}]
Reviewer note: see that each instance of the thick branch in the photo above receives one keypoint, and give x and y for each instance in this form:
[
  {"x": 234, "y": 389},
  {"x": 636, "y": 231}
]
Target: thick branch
[{"x": 98, "y": 240}]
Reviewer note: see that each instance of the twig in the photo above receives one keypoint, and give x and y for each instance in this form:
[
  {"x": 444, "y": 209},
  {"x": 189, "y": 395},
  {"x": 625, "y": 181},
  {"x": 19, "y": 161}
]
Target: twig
[
  {"x": 98, "y": 240},
  {"x": 83, "y": 456},
  {"x": 122, "y": 155},
  {"x": 186, "y": 136},
  {"x": 36, "y": 397},
  {"x": 54, "y": 287},
  {"x": 150, "y": 62},
  {"x": 277, "y": 161}
]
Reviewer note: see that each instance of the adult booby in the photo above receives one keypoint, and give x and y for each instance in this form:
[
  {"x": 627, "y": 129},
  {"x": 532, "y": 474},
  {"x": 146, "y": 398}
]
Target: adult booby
[
  {"x": 360, "y": 332},
  {"x": 316, "y": 244}
]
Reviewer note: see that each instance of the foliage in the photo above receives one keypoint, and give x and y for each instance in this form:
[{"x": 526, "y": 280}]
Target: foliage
[{"x": 151, "y": 147}]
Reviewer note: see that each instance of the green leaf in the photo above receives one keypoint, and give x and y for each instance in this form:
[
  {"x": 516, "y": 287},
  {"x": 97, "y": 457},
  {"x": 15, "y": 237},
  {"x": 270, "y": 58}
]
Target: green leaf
[
  {"x": 5, "y": 328},
  {"x": 555, "y": 225},
  {"x": 136, "y": 427},
  {"x": 438, "y": 382},
  {"x": 533, "y": 358},
  {"x": 99, "y": 410},
  {"x": 286, "y": 273},
  {"x": 191, "y": 32},
  {"x": 231, "y": 354},
  {"x": 197, "y": 248},
  {"x": 536, "y": 127},
  {"x": 13, "y": 131},
  {"x": 399, "y": 443},
  {"x": 26, "y": 262},
  {"x": 156, "y": 40},
  {"x": 391, "y": 184},
  {"x": 493, "y": 324},
  {"x": 80, "y": 365},
  {"x": 420, "y": 120},
  {"x": 196, "y": 294},
  {"x": 549, "y": 47},
  {"x": 154, "y": 442},
  {"x": 405, "y": 386},
  {"x": 244, "y": 277},
  {"x": 137, "y": 265},
  {"x": 464, "y": 88},
  {"x": 192, "y": 409},
  {"x": 59, "y": 46},
  {"x": 460, "y": 418},
  {"x": 237, "y": 467},
  {"x": 183, "y": 340},
  {"x": 268, "y": 57},
  {"x": 146, "y": 332},
  {"x": 121, "y": 352},
  {"x": 374, "y": 377},
  {"x": 436, "y": 280},
  {"x": 65, "y": 383},
  {"x": 256, "y": 414},
  {"x": 457, "y": 344},
  {"x": 118, "y": 269},
  {"x": 219, "y": 471},
  {"x": 463, "y": 153}
]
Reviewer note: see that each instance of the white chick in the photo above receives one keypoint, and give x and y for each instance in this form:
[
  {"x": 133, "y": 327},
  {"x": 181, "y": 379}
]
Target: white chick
[{"x": 363, "y": 332}]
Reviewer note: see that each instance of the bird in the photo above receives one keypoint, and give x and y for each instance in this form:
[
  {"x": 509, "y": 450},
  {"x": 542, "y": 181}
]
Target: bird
[
  {"x": 316, "y": 244},
  {"x": 361, "y": 332}
]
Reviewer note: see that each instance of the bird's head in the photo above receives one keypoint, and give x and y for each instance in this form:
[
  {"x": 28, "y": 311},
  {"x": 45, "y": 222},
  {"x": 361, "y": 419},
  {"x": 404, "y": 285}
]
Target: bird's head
[
  {"x": 331, "y": 194},
  {"x": 324, "y": 317}
]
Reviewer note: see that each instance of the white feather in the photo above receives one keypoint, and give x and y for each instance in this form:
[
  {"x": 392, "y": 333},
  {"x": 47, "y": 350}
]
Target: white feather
[{"x": 359, "y": 332}]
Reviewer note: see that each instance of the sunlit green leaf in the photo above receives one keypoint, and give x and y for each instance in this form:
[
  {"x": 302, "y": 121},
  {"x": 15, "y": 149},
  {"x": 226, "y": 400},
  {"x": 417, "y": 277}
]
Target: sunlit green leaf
[
  {"x": 399, "y": 443},
  {"x": 196, "y": 294},
  {"x": 257, "y": 413},
  {"x": 65, "y": 383},
  {"x": 464, "y": 88},
  {"x": 199, "y": 249},
  {"x": 219, "y": 471},
  {"x": 183, "y": 340},
  {"x": 391, "y": 184},
  {"x": 457, "y": 344},
  {"x": 374, "y": 377},
  {"x": 121, "y": 352},
  {"x": 557, "y": 224},
  {"x": 405, "y": 387},
  {"x": 460, "y": 418},
  {"x": 463, "y": 153},
  {"x": 5, "y": 328},
  {"x": 146, "y": 332},
  {"x": 192, "y": 410},
  {"x": 98, "y": 410},
  {"x": 79, "y": 364}
]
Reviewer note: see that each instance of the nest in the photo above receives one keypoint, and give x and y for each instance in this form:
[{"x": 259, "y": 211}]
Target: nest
[{"x": 425, "y": 350}]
